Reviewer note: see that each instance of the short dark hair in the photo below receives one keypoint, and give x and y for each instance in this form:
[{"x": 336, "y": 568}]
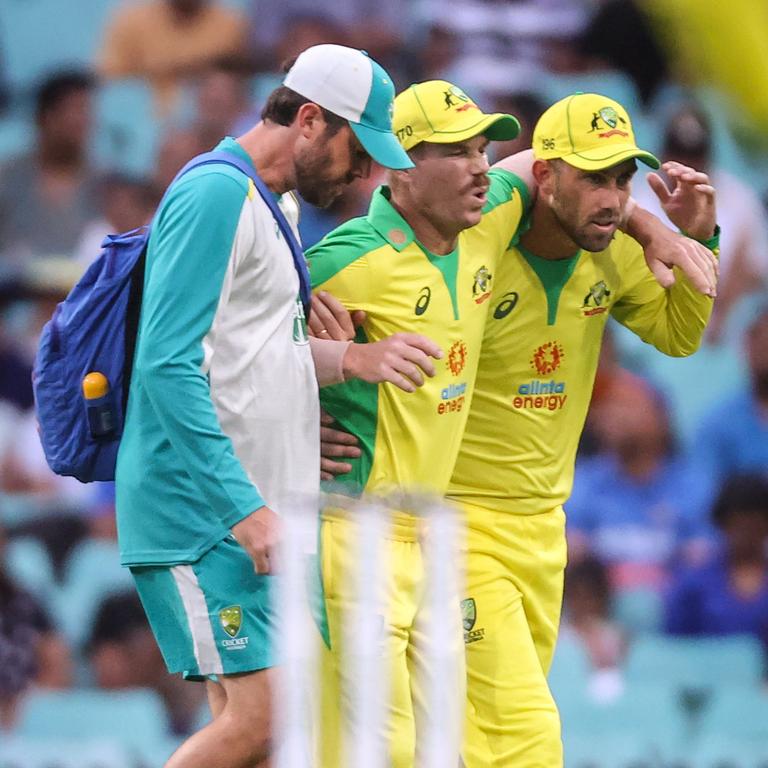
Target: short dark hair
[
  {"x": 283, "y": 104},
  {"x": 118, "y": 615},
  {"x": 55, "y": 89},
  {"x": 745, "y": 492}
]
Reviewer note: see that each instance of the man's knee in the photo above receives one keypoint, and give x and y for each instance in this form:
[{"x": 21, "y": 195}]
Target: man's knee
[{"x": 250, "y": 727}]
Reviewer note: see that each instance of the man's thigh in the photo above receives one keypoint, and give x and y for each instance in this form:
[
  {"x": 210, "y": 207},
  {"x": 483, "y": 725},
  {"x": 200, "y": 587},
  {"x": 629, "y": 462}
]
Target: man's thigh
[
  {"x": 399, "y": 598},
  {"x": 511, "y": 612},
  {"x": 213, "y": 616}
]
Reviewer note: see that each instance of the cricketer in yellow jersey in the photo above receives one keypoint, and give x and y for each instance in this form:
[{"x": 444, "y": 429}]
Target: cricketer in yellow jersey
[
  {"x": 552, "y": 295},
  {"x": 421, "y": 261}
]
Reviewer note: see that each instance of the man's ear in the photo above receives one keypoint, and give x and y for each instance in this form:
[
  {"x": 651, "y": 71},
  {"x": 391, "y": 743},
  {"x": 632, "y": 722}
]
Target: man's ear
[
  {"x": 544, "y": 174},
  {"x": 310, "y": 120}
]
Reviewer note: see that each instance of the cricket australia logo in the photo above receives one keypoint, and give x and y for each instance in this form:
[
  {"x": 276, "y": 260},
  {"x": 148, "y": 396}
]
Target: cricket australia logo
[
  {"x": 609, "y": 117},
  {"x": 468, "y": 620},
  {"x": 481, "y": 287},
  {"x": 593, "y": 301},
  {"x": 231, "y": 619}
]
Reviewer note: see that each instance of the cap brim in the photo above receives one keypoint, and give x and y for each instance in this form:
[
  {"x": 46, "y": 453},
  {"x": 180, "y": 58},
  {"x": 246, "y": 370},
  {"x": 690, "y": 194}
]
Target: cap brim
[
  {"x": 597, "y": 160},
  {"x": 382, "y": 146},
  {"x": 496, "y": 127}
]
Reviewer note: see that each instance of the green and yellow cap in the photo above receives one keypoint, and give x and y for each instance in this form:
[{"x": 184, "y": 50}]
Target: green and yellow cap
[
  {"x": 588, "y": 131},
  {"x": 441, "y": 113}
]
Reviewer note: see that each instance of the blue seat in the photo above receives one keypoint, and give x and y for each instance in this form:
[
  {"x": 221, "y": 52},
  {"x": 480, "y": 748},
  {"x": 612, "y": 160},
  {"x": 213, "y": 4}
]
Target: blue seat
[
  {"x": 132, "y": 720},
  {"x": 29, "y": 564},
  {"x": 569, "y": 675},
  {"x": 126, "y": 129},
  {"x": 611, "y": 83},
  {"x": 93, "y": 571},
  {"x": 30, "y": 752},
  {"x": 639, "y": 610},
  {"x": 696, "y": 662},
  {"x": 40, "y": 36}
]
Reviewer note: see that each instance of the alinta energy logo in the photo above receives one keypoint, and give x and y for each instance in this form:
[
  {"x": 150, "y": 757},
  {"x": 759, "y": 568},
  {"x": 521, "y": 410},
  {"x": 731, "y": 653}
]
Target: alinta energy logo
[
  {"x": 543, "y": 395},
  {"x": 547, "y": 358},
  {"x": 452, "y": 397}
]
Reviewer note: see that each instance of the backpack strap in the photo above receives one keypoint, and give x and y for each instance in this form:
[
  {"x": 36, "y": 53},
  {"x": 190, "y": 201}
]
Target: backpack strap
[{"x": 299, "y": 262}]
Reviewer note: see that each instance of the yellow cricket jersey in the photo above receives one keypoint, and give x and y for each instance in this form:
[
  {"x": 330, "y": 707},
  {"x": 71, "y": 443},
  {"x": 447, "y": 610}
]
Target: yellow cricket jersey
[
  {"x": 409, "y": 441},
  {"x": 538, "y": 362}
]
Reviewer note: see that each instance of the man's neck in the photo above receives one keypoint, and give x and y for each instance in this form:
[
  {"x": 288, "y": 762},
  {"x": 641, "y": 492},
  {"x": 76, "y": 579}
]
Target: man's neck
[
  {"x": 270, "y": 147},
  {"x": 546, "y": 238},
  {"x": 435, "y": 237}
]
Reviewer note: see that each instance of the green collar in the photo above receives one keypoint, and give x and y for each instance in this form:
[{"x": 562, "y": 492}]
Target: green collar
[{"x": 388, "y": 222}]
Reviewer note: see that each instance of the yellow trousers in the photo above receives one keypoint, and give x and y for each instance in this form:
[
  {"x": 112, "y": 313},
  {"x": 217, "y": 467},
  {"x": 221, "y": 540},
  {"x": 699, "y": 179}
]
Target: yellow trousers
[
  {"x": 511, "y": 613},
  {"x": 401, "y": 644}
]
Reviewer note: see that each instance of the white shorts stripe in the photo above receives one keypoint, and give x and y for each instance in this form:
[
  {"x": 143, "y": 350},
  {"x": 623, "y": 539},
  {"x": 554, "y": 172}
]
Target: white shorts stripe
[{"x": 206, "y": 653}]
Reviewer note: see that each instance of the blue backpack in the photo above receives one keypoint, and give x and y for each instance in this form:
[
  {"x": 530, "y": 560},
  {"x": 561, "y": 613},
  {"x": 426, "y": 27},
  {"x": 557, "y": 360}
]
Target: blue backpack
[{"x": 83, "y": 366}]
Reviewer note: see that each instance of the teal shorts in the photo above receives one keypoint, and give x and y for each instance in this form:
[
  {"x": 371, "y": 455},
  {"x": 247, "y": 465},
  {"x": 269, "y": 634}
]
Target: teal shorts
[{"x": 211, "y": 617}]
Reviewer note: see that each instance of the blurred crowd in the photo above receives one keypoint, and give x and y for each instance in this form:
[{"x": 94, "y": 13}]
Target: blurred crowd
[{"x": 668, "y": 524}]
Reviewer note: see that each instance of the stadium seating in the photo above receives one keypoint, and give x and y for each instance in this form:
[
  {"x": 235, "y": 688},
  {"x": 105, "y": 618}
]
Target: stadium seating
[
  {"x": 126, "y": 129},
  {"x": 696, "y": 663},
  {"x": 134, "y": 721},
  {"x": 39, "y": 36},
  {"x": 93, "y": 571},
  {"x": 31, "y": 752},
  {"x": 30, "y": 567}
]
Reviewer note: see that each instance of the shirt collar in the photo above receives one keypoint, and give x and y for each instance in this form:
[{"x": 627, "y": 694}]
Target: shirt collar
[{"x": 388, "y": 222}]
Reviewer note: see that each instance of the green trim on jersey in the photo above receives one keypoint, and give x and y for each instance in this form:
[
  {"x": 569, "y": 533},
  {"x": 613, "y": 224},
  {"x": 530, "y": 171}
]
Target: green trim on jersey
[
  {"x": 448, "y": 266},
  {"x": 355, "y": 406},
  {"x": 500, "y": 191},
  {"x": 553, "y": 274}
]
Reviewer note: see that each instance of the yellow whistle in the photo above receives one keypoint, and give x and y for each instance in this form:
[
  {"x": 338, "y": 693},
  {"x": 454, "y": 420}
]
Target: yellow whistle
[{"x": 95, "y": 385}]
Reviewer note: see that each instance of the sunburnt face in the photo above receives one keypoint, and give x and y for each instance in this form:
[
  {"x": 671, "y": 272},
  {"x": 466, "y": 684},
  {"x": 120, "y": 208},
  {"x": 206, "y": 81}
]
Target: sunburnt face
[
  {"x": 589, "y": 205},
  {"x": 450, "y": 182},
  {"x": 328, "y": 164}
]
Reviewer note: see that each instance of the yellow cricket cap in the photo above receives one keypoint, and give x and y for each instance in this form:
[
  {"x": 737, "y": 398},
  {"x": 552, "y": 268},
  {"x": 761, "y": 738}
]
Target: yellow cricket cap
[
  {"x": 588, "y": 131},
  {"x": 441, "y": 113}
]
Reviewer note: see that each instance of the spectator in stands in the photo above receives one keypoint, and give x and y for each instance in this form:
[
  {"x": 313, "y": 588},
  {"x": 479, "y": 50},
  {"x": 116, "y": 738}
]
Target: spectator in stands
[
  {"x": 638, "y": 506},
  {"x": 744, "y": 238},
  {"x": 123, "y": 654},
  {"x": 527, "y": 107},
  {"x": 223, "y": 103},
  {"x": 620, "y": 35},
  {"x": 125, "y": 202},
  {"x": 31, "y": 651},
  {"x": 168, "y": 41},
  {"x": 48, "y": 195},
  {"x": 178, "y": 147},
  {"x": 733, "y": 437},
  {"x": 729, "y": 595},
  {"x": 281, "y": 30},
  {"x": 587, "y": 607}
]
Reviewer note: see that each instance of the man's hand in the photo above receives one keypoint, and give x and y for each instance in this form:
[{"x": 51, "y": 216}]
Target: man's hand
[
  {"x": 330, "y": 319},
  {"x": 402, "y": 359},
  {"x": 665, "y": 249},
  {"x": 690, "y": 204},
  {"x": 670, "y": 249},
  {"x": 259, "y": 535},
  {"x": 335, "y": 444}
]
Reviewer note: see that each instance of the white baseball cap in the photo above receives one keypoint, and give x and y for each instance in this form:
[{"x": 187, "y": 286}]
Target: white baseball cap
[{"x": 352, "y": 85}]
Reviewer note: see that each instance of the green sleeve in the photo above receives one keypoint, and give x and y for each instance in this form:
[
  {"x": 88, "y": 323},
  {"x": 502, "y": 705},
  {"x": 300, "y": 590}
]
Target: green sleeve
[
  {"x": 339, "y": 263},
  {"x": 671, "y": 319},
  {"x": 189, "y": 252}
]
